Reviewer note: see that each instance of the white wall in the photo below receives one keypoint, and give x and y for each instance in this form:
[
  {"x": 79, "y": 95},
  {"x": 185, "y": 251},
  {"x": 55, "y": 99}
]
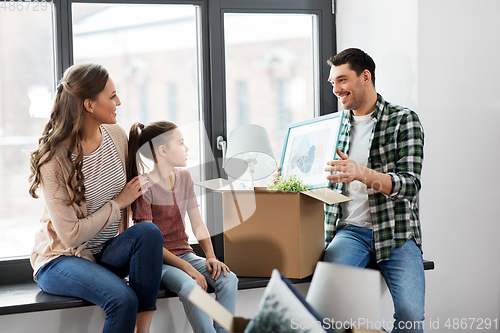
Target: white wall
[
  {"x": 169, "y": 317},
  {"x": 442, "y": 58}
]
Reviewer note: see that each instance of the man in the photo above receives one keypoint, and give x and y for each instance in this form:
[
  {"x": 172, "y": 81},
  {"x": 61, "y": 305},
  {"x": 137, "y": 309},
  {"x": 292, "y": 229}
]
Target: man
[{"x": 381, "y": 152}]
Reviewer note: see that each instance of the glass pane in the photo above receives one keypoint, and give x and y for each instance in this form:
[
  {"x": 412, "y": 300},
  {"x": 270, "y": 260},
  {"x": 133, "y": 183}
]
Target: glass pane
[
  {"x": 270, "y": 72},
  {"x": 27, "y": 83},
  {"x": 152, "y": 53}
]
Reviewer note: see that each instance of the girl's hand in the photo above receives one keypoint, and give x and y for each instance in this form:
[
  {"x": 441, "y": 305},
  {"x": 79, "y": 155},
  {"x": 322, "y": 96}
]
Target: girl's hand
[
  {"x": 195, "y": 275},
  {"x": 215, "y": 267},
  {"x": 130, "y": 192}
]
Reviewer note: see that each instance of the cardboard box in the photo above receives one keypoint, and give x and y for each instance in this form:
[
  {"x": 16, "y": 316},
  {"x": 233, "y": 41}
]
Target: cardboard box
[
  {"x": 217, "y": 312},
  {"x": 230, "y": 323},
  {"x": 265, "y": 230}
]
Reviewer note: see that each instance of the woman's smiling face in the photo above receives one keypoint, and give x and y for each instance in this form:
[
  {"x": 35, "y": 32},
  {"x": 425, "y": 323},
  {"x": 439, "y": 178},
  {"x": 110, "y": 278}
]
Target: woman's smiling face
[{"x": 103, "y": 109}]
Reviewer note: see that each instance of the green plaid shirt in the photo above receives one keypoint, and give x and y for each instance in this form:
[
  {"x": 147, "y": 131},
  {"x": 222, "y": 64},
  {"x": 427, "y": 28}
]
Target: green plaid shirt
[{"x": 396, "y": 149}]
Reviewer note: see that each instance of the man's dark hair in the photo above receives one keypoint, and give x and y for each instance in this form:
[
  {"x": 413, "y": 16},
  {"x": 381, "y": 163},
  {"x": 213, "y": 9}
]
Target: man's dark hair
[{"x": 357, "y": 59}]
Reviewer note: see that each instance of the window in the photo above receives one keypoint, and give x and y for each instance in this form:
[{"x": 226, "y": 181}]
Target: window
[
  {"x": 270, "y": 51},
  {"x": 283, "y": 106},
  {"x": 172, "y": 102},
  {"x": 242, "y": 110},
  {"x": 27, "y": 83},
  {"x": 145, "y": 48},
  {"x": 170, "y": 59}
]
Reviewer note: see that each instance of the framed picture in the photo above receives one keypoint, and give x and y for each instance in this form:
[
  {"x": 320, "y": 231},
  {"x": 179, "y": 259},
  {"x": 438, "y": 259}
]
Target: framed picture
[{"x": 308, "y": 146}]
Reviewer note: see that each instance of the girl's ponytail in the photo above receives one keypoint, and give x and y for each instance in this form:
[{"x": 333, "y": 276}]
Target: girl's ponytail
[
  {"x": 134, "y": 143},
  {"x": 140, "y": 142}
]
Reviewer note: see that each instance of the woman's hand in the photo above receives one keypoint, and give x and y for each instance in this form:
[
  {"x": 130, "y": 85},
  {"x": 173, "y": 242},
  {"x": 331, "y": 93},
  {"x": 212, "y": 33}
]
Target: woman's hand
[
  {"x": 197, "y": 276},
  {"x": 129, "y": 193},
  {"x": 215, "y": 267}
]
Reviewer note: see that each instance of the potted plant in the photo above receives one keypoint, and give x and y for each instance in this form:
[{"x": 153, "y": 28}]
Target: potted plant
[{"x": 290, "y": 184}]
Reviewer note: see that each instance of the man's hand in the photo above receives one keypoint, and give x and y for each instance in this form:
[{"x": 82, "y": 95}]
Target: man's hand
[{"x": 349, "y": 170}]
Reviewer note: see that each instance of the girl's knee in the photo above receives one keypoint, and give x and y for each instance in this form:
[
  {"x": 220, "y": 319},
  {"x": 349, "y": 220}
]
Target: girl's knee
[
  {"x": 230, "y": 280},
  {"x": 186, "y": 289},
  {"x": 227, "y": 284}
]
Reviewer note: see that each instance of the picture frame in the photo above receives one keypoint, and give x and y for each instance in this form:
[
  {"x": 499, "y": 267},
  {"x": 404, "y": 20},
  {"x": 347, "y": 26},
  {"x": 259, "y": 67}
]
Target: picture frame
[{"x": 308, "y": 146}]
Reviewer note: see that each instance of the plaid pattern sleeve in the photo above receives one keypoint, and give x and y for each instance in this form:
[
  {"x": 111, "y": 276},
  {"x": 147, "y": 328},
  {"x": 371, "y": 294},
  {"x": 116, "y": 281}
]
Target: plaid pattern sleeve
[{"x": 396, "y": 149}]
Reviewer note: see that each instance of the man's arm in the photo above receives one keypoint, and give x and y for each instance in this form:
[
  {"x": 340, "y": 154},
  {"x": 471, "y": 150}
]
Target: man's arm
[
  {"x": 350, "y": 171},
  {"x": 410, "y": 154},
  {"x": 405, "y": 181}
]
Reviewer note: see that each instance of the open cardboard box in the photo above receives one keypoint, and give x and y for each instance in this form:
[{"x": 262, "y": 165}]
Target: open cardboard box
[
  {"x": 216, "y": 311},
  {"x": 232, "y": 324},
  {"x": 266, "y": 230}
]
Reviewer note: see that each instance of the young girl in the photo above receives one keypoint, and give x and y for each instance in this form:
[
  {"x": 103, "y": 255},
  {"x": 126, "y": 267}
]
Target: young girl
[
  {"x": 169, "y": 197},
  {"x": 80, "y": 166}
]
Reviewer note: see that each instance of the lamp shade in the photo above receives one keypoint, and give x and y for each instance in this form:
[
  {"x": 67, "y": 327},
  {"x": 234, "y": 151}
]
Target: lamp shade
[{"x": 249, "y": 148}]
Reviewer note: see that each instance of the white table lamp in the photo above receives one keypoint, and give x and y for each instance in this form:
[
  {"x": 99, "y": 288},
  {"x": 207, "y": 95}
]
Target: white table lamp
[{"x": 249, "y": 153}]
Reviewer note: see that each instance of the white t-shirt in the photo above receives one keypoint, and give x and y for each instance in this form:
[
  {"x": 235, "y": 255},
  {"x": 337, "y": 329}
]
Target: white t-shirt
[{"x": 357, "y": 211}]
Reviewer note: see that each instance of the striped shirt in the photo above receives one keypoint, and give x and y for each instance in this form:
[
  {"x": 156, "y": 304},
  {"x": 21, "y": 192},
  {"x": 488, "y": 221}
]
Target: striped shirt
[
  {"x": 104, "y": 178},
  {"x": 396, "y": 149}
]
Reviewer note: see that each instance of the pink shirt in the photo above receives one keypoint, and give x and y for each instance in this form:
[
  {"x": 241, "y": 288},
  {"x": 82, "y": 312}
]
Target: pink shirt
[{"x": 167, "y": 209}]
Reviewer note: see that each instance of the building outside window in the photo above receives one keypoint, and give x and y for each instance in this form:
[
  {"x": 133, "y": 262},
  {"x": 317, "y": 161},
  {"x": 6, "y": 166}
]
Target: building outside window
[
  {"x": 27, "y": 84},
  {"x": 269, "y": 51},
  {"x": 165, "y": 68}
]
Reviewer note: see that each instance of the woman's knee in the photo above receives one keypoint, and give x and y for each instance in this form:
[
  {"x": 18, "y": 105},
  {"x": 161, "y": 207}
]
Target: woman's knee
[
  {"x": 147, "y": 228},
  {"x": 149, "y": 231}
]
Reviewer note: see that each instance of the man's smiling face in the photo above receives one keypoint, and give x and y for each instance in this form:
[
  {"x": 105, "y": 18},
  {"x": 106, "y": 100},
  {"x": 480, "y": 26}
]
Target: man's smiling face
[{"x": 349, "y": 88}]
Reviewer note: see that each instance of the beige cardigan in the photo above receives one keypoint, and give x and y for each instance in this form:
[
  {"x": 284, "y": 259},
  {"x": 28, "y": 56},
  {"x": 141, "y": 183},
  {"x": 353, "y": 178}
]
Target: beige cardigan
[{"x": 67, "y": 229}]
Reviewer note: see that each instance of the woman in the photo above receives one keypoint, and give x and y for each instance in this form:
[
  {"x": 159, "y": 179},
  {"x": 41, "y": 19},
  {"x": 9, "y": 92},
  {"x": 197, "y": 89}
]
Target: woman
[{"x": 80, "y": 166}]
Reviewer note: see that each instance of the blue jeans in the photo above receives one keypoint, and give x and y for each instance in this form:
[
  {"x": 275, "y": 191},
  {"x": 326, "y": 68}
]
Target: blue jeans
[
  {"x": 178, "y": 281},
  {"x": 136, "y": 252},
  {"x": 403, "y": 272}
]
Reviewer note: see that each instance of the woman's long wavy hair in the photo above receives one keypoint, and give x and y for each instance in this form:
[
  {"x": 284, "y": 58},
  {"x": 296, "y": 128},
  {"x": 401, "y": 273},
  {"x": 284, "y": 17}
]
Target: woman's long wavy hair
[
  {"x": 145, "y": 139},
  {"x": 79, "y": 83}
]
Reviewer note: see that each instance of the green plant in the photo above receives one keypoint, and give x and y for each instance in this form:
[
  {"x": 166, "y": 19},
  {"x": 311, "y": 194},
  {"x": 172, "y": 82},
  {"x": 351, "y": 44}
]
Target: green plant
[
  {"x": 290, "y": 184},
  {"x": 272, "y": 318}
]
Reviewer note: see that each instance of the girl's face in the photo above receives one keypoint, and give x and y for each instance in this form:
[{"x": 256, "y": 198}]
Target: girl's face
[{"x": 175, "y": 151}]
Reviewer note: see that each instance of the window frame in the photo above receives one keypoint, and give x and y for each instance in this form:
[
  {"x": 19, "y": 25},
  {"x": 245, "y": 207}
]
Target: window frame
[
  {"x": 326, "y": 48},
  {"x": 212, "y": 81}
]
